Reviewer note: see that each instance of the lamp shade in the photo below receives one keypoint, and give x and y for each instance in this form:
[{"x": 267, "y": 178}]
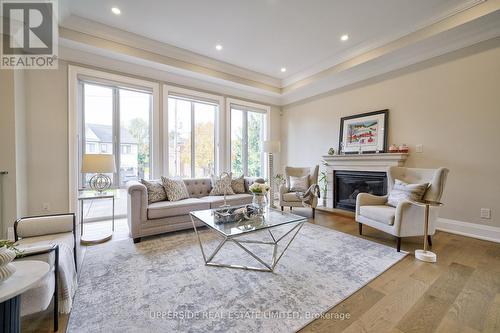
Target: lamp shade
[
  {"x": 272, "y": 146},
  {"x": 98, "y": 163}
]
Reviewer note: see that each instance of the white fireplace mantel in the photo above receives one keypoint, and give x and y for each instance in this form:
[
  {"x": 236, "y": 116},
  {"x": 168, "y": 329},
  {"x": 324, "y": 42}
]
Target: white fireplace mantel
[
  {"x": 364, "y": 162},
  {"x": 357, "y": 162}
]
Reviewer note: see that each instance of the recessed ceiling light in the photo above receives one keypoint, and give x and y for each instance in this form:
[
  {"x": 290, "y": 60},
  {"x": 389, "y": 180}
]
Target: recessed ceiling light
[
  {"x": 218, "y": 47},
  {"x": 116, "y": 10},
  {"x": 344, "y": 38},
  {"x": 283, "y": 69}
]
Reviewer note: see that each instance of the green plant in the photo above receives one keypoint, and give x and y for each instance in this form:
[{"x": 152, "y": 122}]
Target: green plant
[
  {"x": 279, "y": 179},
  {"x": 323, "y": 180},
  {"x": 10, "y": 245}
]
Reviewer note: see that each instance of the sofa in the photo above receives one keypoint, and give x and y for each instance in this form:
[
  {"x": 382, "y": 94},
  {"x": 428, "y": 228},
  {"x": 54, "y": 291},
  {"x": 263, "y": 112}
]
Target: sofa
[{"x": 166, "y": 216}]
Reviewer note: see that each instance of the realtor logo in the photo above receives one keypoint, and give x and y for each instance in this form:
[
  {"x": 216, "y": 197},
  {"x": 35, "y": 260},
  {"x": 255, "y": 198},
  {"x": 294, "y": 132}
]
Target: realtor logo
[{"x": 29, "y": 34}]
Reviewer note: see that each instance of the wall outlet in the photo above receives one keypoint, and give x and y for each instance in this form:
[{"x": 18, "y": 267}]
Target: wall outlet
[
  {"x": 46, "y": 206},
  {"x": 419, "y": 148},
  {"x": 485, "y": 213}
]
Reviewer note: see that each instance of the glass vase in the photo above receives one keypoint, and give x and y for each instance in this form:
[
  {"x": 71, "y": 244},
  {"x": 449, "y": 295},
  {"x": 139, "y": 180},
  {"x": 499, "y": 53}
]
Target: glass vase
[{"x": 259, "y": 202}]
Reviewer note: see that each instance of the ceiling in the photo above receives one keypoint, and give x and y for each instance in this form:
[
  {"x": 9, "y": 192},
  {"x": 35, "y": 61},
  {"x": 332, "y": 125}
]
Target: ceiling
[
  {"x": 174, "y": 40},
  {"x": 266, "y": 35}
]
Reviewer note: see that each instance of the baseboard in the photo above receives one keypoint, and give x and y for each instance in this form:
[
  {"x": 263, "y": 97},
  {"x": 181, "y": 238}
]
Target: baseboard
[{"x": 484, "y": 232}]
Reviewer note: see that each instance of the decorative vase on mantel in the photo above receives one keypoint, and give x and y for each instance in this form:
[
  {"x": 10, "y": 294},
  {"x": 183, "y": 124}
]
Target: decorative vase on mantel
[
  {"x": 6, "y": 268},
  {"x": 260, "y": 202}
]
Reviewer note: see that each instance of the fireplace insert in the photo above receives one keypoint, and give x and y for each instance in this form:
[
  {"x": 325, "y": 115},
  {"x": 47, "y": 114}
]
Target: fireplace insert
[{"x": 348, "y": 184}]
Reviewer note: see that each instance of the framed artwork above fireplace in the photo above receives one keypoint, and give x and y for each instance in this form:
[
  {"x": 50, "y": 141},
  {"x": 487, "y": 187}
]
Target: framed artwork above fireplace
[{"x": 364, "y": 133}]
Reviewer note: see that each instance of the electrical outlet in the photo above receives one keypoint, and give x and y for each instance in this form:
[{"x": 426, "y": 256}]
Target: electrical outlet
[
  {"x": 46, "y": 206},
  {"x": 485, "y": 213},
  {"x": 419, "y": 148}
]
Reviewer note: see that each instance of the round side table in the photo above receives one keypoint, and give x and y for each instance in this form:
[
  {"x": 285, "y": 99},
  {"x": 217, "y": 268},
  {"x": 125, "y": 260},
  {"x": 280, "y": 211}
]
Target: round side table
[
  {"x": 426, "y": 255},
  {"x": 28, "y": 273}
]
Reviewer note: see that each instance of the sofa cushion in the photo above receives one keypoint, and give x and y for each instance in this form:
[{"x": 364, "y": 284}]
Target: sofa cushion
[
  {"x": 233, "y": 200},
  {"x": 238, "y": 185},
  {"x": 175, "y": 188},
  {"x": 163, "y": 209},
  {"x": 382, "y": 213},
  {"x": 156, "y": 191},
  {"x": 221, "y": 186},
  {"x": 291, "y": 197},
  {"x": 198, "y": 187}
]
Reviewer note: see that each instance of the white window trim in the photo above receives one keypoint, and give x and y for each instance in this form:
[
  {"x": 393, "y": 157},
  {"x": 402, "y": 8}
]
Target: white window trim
[
  {"x": 74, "y": 74},
  {"x": 267, "y": 126},
  {"x": 219, "y": 123}
]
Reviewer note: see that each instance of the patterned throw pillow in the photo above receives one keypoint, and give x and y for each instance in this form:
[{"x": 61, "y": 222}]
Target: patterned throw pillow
[
  {"x": 221, "y": 186},
  {"x": 299, "y": 184},
  {"x": 404, "y": 191},
  {"x": 175, "y": 188},
  {"x": 156, "y": 191},
  {"x": 238, "y": 185}
]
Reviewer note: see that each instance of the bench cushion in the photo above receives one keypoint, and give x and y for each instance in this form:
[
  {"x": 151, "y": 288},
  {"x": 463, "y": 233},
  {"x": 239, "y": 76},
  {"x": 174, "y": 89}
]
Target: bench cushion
[{"x": 233, "y": 200}]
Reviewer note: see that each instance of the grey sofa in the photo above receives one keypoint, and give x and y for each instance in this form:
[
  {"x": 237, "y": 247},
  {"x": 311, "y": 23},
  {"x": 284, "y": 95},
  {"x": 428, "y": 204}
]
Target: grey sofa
[{"x": 165, "y": 216}]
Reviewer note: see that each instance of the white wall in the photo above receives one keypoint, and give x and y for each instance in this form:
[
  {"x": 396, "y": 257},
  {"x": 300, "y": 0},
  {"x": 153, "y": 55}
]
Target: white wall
[{"x": 450, "y": 104}]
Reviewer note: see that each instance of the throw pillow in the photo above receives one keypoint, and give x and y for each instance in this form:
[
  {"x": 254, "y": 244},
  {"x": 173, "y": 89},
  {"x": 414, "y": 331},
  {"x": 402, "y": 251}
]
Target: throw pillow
[
  {"x": 299, "y": 184},
  {"x": 156, "y": 191},
  {"x": 238, "y": 185},
  {"x": 175, "y": 188},
  {"x": 404, "y": 191},
  {"x": 221, "y": 186}
]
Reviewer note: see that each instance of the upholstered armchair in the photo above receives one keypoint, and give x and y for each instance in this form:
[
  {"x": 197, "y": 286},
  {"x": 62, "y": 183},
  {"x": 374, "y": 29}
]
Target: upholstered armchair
[
  {"x": 46, "y": 238},
  {"x": 289, "y": 198},
  {"x": 406, "y": 219}
]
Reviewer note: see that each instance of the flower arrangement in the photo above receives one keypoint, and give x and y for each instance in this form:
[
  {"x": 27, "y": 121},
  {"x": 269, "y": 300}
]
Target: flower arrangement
[{"x": 259, "y": 188}]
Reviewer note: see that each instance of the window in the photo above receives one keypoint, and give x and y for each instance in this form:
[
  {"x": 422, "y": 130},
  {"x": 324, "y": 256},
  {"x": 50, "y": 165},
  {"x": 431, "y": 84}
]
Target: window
[
  {"x": 192, "y": 128},
  {"x": 248, "y": 126},
  {"x": 116, "y": 120}
]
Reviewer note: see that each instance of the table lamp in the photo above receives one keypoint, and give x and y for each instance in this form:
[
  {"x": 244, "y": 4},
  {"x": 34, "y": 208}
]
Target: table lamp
[
  {"x": 271, "y": 147},
  {"x": 99, "y": 164}
]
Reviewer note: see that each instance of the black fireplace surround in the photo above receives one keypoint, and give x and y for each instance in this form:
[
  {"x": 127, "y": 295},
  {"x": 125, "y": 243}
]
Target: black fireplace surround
[{"x": 348, "y": 184}]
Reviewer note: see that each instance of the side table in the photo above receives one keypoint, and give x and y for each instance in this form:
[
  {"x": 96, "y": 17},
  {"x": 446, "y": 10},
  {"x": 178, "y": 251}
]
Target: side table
[
  {"x": 28, "y": 273},
  {"x": 425, "y": 255},
  {"x": 93, "y": 195}
]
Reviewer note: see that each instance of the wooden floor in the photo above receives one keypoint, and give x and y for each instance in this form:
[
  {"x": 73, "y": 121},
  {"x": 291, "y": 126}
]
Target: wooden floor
[{"x": 459, "y": 293}]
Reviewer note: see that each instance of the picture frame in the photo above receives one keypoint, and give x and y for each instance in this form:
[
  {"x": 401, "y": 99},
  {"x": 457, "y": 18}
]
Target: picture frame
[{"x": 364, "y": 133}]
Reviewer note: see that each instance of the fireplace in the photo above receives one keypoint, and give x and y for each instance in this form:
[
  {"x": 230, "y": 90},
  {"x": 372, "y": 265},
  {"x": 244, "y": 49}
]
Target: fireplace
[{"x": 348, "y": 184}]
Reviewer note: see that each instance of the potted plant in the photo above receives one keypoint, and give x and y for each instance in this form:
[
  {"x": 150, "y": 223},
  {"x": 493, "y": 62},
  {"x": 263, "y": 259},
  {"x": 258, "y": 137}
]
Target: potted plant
[
  {"x": 323, "y": 181},
  {"x": 259, "y": 191},
  {"x": 7, "y": 253}
]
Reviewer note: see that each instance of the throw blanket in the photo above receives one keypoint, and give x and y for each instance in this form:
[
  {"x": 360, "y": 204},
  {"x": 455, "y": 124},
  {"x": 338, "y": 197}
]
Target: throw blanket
[
  {"x": 67, "y": 277},
  {"x": 309, "y": 196}
]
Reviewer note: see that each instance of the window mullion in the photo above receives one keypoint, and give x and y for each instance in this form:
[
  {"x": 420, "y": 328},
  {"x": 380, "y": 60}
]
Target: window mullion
[
  {"x": 116, "y": 134},
  {"x": 192, "y": 141},
  {"x": 245, "y": 143}
]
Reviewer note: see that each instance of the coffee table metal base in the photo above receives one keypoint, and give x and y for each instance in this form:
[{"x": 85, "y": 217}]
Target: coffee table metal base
[{"x": 267, "y": 267}]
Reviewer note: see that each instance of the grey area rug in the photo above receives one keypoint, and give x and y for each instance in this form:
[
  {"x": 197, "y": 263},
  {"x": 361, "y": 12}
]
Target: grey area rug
[{"x": 162, "y": 284}]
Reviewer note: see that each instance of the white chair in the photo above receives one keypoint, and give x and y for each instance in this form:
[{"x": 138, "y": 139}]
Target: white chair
[
  {"x": 406, "y": 219},
  {"x": 40, "y": 238},
  {"x": 292, "y": 199}
]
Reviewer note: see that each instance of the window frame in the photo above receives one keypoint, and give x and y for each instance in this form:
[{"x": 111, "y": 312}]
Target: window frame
[
  {"x": 252, "y": 107},
  {"x": 201, "y": 97}
]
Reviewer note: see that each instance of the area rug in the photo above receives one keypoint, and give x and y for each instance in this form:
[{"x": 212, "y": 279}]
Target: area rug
[{"x": 162, "y": 284}]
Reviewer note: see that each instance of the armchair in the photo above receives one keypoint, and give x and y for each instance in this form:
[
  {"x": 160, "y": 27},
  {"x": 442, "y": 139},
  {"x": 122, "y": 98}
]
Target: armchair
[
  {"x": 406, "y": 219},
  {"x": 52, "y": 239},
  {"x": 293, "y": 199}
]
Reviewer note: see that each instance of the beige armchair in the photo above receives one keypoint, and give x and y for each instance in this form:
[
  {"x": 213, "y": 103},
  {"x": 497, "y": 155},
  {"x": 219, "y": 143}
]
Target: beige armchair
[
  {"x": 406, "y": 219},
  {"x": 293, "y": 199}
]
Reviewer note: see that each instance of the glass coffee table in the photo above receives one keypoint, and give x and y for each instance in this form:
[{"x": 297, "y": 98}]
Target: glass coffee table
[{"x": 233, "y": 232}]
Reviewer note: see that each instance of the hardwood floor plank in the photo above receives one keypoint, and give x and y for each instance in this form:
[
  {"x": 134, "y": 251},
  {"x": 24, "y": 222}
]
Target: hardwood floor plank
[
  {"x": 492, "y": 320},
  {"x": 426, "y": 315},
  {"x": 354, "y": 306},
  {"x": 384, "y": 315}
]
